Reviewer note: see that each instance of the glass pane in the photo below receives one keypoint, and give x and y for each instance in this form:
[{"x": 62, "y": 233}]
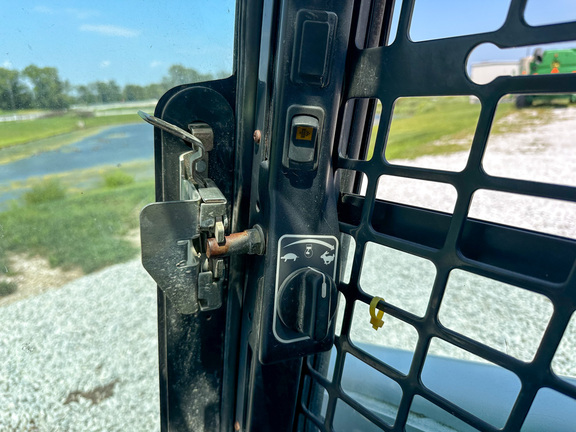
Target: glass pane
[
  {"x": 78, "y": 325},
  {"x": 527, "y": 212},
  {"x": 419, "y": 193},
  {"x": 531, "y": 138},
  {"x": 539, "y": 12},
  {"x": 348, "y": 419},
  {"x": 551, "y": 411},
  {"x": 402, "y": 279},
  {"x": 370, "y": 110},
  {"x": 562, "y": 363},
  {"x": 425, "y": 416},
  {"x": 488, "y": 62},
  {"x": 499, "y": 315}
]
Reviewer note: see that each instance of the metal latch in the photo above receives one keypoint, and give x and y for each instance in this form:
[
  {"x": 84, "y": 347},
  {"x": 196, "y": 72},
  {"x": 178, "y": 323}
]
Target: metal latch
[{"x": 175, "y": 234}]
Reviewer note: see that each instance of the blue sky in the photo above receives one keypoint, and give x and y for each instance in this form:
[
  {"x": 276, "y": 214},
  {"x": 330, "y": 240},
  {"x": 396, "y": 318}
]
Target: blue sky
[
  {"x": 135, "y": 41},
  {"x": 130, "y": 41},
  {"x": 434, "y": 19}
]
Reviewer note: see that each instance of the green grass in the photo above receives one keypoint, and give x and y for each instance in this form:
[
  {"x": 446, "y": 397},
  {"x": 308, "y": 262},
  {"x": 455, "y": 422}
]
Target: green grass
[
  {"x": 47, "y": 191},
  {"x": 135, "y": 108},
  {"x": 22, "y": 132},
  {"x": 74, "y": 219},
  {"x": 77, "y": 182},
  {"x": 7, "y": 288},
  {"x": 81, "y": 230},
  {"x": 430, "y": 126},
  {"x": 522, "y": 119},
  {"x": 117, "y": 178}
]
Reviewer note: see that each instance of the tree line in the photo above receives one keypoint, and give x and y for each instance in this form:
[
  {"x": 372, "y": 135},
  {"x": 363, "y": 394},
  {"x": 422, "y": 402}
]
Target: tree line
[{"x": 42, "y": 87}]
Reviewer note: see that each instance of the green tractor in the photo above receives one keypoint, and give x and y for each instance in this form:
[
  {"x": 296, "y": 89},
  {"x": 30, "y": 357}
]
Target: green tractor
[{"x": 549, "y": 62}]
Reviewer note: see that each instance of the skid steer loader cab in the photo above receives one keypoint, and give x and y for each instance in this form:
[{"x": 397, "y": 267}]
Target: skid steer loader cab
[{"x": 275, "y": 244}]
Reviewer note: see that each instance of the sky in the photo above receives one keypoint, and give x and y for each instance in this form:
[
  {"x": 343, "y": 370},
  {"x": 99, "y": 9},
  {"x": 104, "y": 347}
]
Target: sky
[
  {"x": 136, "y": 41},
  {"x": 435, "y": 19},
  {"x": 129, "y": 41}
]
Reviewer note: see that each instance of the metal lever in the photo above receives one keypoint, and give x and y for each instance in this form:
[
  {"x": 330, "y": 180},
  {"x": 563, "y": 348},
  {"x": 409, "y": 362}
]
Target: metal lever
[{"x": 173, "y": 129}]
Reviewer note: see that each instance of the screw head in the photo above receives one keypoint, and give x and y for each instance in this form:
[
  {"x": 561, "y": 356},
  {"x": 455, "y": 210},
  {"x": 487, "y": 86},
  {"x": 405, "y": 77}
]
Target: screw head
[{"x": 257, "y": 136}]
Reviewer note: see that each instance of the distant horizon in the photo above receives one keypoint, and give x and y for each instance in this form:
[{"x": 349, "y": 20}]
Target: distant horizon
[
  {"x": 218, "y": 74},
  {"x": 93, "y": 80},
  {"x": 124, "y": 41},
  {"x": 128, "y": 43}
]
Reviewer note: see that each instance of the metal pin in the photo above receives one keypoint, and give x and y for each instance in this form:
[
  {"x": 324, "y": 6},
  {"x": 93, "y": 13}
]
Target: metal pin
[{"x": 246, "y": 242}]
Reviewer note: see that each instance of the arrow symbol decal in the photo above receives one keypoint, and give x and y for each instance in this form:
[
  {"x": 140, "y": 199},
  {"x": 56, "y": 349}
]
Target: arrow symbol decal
[{"x": 320, "y": 242}]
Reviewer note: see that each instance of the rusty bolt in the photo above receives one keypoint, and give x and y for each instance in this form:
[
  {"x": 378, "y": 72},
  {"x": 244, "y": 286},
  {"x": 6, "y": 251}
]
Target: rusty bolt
[
  {"x": 246, "y": 242},
  {"x": 257, "y": 136}
]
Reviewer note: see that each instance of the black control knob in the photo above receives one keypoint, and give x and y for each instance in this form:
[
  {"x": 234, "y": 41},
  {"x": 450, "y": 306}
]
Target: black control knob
[{"x": 307, "y": 302}]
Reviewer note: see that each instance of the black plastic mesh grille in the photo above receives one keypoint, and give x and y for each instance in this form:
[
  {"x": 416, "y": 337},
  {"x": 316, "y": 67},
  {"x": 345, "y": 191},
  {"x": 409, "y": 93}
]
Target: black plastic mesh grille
[{"x": 533, "y": 262}]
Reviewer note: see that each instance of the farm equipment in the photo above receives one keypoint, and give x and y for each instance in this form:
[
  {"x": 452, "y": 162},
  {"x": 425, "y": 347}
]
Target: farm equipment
[{"x": 549, "y": 62}]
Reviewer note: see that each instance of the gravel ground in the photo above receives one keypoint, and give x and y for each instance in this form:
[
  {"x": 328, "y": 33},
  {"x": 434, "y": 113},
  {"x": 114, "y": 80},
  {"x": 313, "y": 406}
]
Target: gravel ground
[
  {"x": 84, "y": 357},
  {"x": 504, "y": 317}
]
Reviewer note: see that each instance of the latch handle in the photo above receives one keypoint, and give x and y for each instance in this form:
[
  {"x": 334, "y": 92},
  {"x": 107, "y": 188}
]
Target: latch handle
[{"x": 173, "y": 129}]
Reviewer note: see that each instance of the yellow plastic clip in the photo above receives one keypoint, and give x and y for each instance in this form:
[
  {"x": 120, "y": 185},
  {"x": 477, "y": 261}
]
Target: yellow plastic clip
[{"x": 376, "y": 317}]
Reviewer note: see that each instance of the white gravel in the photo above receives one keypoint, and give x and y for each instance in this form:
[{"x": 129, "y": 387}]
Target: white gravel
[
  {"x": 84, "y": 357},
  {"x": 504, "y": 317}
]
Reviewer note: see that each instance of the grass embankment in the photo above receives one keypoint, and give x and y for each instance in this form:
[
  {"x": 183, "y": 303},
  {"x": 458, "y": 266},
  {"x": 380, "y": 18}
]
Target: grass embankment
[
  {"x": 85, "y": 230},
  {"x": 76, "y": 219},
  {"x": 25, "y": 150},
  {"x": 430, "y": 126},
  {"x": 21, "y": 132},
  {"x": 80, "y": 180}
]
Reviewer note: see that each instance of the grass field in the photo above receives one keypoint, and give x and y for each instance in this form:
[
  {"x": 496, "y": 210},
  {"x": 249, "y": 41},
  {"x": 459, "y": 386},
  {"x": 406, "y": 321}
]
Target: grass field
[
  {"x": 29, "y": 131},
  {"x": 85, "y": 223},
  {"x": 83, "y": 229},
  {"x": 431, "y": 125},
  {"x": 79, "y": 218},
  {"x": 81, "y": 180}
]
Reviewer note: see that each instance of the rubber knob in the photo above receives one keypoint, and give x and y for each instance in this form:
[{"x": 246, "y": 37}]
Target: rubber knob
[{"x": 307, "y": 302}]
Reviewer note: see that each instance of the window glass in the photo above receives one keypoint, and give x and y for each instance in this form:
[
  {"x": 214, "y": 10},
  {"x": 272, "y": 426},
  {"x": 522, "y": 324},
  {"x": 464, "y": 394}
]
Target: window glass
[{"x": 78, "y": 330}]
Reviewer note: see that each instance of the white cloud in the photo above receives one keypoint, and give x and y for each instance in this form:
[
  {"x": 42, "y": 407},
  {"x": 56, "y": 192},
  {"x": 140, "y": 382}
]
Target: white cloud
[
  {"x": 7, "y": 64},
  {"x": 105, "y": 63},
  {"x": 155, "y": 64},
  {"x": 82, "y": 13},
  {"x": 110, "y": 30}
]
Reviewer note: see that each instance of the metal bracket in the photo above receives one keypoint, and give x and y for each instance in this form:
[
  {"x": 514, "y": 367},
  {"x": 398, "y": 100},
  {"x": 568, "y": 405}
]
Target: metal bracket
[
  {"x": 173, "y": 234},
  {"x": 170, "y": 242},
  {"x": 183, "y": 241}
]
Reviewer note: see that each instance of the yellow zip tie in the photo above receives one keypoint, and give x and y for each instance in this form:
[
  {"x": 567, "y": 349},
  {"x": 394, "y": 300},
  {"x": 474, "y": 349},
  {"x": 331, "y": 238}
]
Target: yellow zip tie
[{"x": 376, "y": 318}]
